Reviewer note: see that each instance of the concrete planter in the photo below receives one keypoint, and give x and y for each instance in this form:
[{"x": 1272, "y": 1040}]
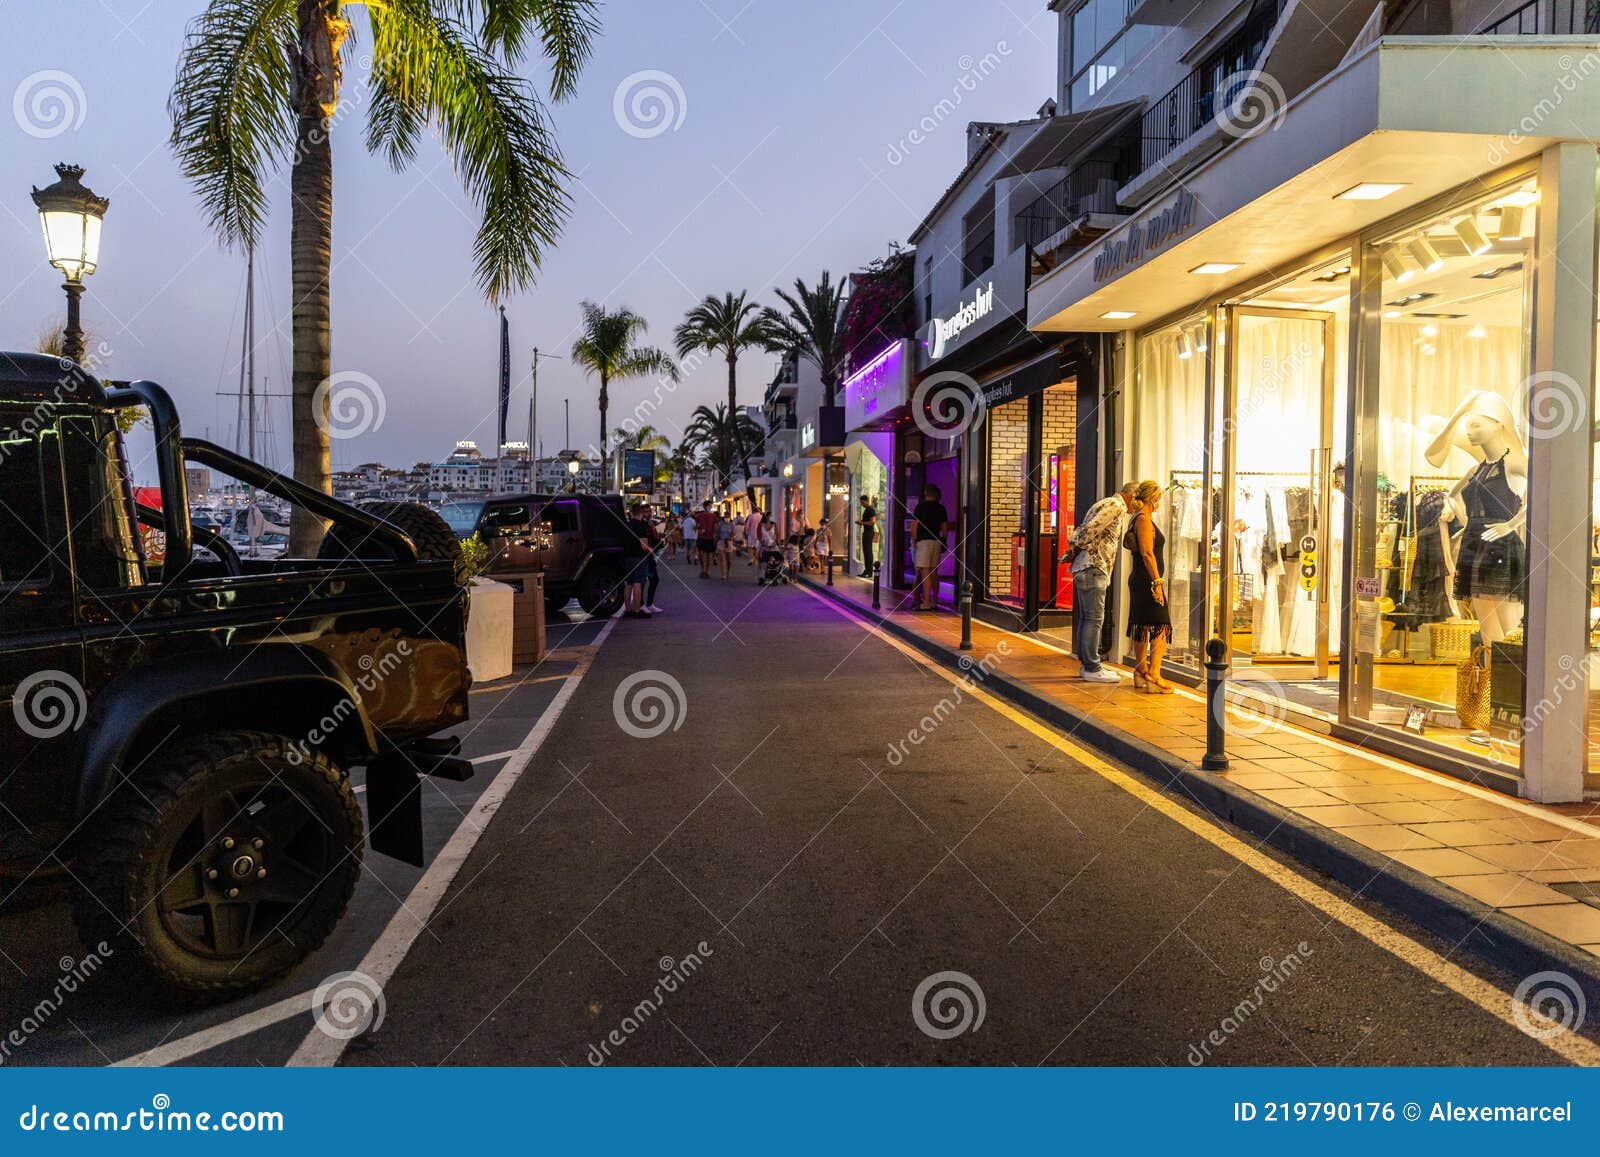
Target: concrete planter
[{"x": 489, "y": 631}]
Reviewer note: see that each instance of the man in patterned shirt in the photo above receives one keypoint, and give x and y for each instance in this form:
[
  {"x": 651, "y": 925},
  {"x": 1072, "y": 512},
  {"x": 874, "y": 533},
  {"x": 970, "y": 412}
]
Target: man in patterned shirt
[{"x": 1092, "y": 550}]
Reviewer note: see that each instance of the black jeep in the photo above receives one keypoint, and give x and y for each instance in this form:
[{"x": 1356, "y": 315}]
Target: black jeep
[
  {"x": 177, "y": 723},
  {"x": 575, "y": 539}
]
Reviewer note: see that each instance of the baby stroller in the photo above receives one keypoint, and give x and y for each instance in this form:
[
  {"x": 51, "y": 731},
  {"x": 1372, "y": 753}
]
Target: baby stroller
[{"x": 772, "y": 572}]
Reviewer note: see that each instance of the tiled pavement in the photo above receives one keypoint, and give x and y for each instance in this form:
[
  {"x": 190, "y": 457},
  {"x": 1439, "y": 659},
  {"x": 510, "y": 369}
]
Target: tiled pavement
[{"x": 1532, "y": 863}]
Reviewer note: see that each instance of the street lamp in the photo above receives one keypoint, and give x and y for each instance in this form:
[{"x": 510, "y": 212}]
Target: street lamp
[{"x": 71, "y": 216}]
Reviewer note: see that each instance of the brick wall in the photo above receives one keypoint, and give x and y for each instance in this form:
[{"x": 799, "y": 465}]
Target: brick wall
[{"x": 1008, "y": 457}]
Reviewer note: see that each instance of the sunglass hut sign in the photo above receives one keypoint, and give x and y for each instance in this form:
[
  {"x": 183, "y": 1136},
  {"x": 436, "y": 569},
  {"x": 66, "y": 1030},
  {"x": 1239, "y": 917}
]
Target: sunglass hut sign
[{"x": 1146, "y": 238}]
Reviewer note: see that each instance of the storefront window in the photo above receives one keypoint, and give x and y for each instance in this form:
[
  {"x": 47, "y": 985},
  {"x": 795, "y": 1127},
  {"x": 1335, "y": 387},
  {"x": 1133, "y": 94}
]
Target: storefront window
[
  {"x": 1169, "y": 429},
  {"x": 1057, "y": 492},
  {"x": 1439, "y": 615},
  {"x": 1006, "y": 427},
  {"x": 869, "y": 479}
]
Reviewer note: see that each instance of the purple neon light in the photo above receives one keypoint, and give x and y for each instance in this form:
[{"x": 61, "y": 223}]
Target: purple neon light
[{"x": 864, "y": 386}]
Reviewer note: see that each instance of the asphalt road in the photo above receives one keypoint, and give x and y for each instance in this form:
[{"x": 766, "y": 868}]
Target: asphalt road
[
  {"x": 102, "y": 1025},
  {"x": 758, "y": 833},
  {"x": 763, "y": 883}
]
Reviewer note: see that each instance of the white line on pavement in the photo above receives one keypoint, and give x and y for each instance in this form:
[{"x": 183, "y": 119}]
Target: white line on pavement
[
  {"x": 424, "y": 898},
  {"x": 1572, "y": 1047},
  {"x": 386, "y": 953}
]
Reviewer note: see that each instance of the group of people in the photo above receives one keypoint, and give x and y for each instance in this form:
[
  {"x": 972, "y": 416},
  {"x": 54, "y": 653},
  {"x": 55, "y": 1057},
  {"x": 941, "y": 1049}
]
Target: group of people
[
  {"x": 714, "y": 539},
  {"x": 1126, "y": 520}
]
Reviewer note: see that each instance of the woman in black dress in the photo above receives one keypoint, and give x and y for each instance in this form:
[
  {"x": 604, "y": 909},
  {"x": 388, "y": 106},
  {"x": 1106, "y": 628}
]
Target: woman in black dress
[{"x": 1149, "y": 622}]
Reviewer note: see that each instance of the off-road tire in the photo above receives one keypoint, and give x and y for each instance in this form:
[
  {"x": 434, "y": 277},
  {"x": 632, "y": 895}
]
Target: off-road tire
[
  {"x": 600, "y": 591},
  {"x": 426, "y": 527},
  {"x": 151, "y": 823}
]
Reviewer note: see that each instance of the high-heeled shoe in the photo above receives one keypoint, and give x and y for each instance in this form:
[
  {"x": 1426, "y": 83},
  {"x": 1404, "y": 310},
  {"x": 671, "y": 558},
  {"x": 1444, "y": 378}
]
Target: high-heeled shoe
[
  {"x": 1141, "y": 677},
  {"x": 1155, "y": 686}
]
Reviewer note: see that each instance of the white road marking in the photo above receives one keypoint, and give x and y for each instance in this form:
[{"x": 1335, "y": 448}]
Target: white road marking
[
  {"x": 1492, "y": 1000},
  {"x": 386, "y": 953},
  {"x": 423, "y": 899},
  {"x": 476, "y": 759}
]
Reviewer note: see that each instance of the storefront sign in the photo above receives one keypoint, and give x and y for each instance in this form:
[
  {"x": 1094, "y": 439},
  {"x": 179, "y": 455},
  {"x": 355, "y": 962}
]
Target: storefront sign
[
  {"x": 808, "y": 435},
  {"x": 877, "y": 388},
  {"x": 943, "y": 330},
  {"x": 1040, "y": 374},
  {"x": 1144, "y": 238}
]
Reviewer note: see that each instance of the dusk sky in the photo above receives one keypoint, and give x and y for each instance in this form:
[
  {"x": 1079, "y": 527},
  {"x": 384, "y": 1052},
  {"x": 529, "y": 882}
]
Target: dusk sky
[{"x": 786, "y": 156}]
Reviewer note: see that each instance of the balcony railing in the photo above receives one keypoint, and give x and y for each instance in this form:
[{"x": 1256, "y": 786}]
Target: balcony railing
[
  {"x": 1089, "y": 188},
  {"x": 1206, "y": 91},
  {"x": 1548, "y": 18}
]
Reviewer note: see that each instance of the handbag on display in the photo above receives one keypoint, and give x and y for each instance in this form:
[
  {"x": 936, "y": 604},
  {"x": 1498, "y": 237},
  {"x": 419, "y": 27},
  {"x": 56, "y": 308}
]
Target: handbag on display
[{"x": 1472, "y": 690}]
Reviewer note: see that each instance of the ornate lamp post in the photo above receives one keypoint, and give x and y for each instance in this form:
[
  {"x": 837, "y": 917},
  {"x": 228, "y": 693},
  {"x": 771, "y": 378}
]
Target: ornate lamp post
[{"x": 71, "y": 216}]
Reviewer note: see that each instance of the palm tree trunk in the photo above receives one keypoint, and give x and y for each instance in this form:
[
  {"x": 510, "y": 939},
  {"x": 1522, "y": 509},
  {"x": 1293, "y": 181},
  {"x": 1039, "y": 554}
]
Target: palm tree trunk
[
  {"x": 605, "y": 402},
  {"x": 733, "y": 410},
  {"x": 310, "y": 250}
]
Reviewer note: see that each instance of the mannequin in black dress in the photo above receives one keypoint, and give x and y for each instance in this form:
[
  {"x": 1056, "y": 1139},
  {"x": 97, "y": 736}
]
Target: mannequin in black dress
[{"x": 1149, "y": 620}]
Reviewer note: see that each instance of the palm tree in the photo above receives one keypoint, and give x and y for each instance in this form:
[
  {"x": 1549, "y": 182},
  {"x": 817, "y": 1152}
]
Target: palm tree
[
  {"x": 259, "y": 85},
  {"x": 726, "y": 440},
  {"x": 683, "y": 459},
  {"x": 608, "y": 350},
  {"x": 729, "y": 326},
  {"x": 813, "y": 328}
]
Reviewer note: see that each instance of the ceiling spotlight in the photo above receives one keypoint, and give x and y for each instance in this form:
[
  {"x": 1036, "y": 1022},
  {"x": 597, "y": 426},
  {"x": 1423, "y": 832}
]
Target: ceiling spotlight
[
  {"x": 1117, "y": 314},
  {"x": 1424, "y": 254},
  {"x": 1211, "y": 268},
  {"x": 1368, "y": 191},
  {"x": 1200, "y": 343},
  {"x": 1394, "y": 264},
  {"x": 1514, "y": 219},
  {"x": 1185, "y": 346},
  {"x": 1430, "y": 331},
  {"x": 1471, "y": 236},
  {"x": 1477, "y": 331}
]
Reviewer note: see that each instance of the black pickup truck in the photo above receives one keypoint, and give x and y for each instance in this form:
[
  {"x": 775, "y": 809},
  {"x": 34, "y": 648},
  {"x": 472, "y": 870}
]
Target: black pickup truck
[{"x": 177, "y": 730}]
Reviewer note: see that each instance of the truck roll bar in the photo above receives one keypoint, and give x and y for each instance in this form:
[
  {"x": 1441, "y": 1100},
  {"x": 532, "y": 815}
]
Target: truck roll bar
[{"x": 169, "y": 461}]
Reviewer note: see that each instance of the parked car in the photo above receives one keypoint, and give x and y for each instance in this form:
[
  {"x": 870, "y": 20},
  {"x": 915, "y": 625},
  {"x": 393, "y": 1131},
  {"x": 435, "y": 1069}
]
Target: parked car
[
  {"x": 575, "y": 539},
  {"x": 178, "y": 722}
]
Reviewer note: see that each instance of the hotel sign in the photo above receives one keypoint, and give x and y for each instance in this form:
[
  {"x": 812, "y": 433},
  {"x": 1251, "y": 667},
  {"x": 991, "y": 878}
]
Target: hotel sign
[{"x": 1145, "y": 238}]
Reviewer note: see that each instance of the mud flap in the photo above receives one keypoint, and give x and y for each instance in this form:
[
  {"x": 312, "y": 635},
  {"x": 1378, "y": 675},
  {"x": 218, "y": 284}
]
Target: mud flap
[{"x": 394, "y": 809}]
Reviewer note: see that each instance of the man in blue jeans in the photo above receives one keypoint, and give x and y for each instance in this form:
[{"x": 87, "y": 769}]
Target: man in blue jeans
[{"x": 1092, "y": 550}]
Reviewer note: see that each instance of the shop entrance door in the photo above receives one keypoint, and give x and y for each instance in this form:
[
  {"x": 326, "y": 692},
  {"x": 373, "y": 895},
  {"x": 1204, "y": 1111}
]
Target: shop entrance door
[{"x": 1278, "y": 551}]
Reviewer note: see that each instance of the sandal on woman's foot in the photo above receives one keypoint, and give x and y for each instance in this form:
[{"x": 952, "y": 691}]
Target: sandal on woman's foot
[{"x": 1141, "y": 676}]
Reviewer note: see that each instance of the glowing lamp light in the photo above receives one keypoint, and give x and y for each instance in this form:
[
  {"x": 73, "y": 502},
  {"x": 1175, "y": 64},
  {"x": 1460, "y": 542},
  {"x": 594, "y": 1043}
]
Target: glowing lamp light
[{"x": 71, "y": 214}]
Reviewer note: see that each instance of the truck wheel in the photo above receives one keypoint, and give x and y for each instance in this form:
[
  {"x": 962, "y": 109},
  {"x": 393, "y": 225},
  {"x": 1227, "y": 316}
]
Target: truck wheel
[
  {"x": 224, "y": 867},
  {"x": 427, "y": 528},
  {"x": 554, "y": 603},
  {"x": 600, "y": 592}
]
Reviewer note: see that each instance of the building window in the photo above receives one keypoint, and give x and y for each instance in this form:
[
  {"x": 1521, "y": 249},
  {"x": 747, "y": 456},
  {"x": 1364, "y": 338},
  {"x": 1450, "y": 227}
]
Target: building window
[
  {"x": 978, "y": 247},
  {"x": 1104, "y": 45}
]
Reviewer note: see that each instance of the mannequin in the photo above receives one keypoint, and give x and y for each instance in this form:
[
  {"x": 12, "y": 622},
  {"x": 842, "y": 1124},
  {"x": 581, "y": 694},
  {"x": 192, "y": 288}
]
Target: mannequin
[{"x": 1489, "y": 501}]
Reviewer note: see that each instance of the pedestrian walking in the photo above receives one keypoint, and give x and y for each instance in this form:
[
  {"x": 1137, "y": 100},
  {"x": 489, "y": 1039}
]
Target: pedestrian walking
[
  {"x": 1092, "y": 553},
  {"x": 686, "y": 528},
  {"x": 930, "y": 518},
  {"x": 674, "y": 537},
  {"x": 652, "y": 571},
  {"x": 636, "y": 548},
  {"x": 824, "y": 544},
  {"x": 705, "y": 530},
  {"x": 752, "y": 534},
  {"x": 868, "y": 522},
  {"x": 725, "y": 547},
  {"x": 1149, "y": 619}
]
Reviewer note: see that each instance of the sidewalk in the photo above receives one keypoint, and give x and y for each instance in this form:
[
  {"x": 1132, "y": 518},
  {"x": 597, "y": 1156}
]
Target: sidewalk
[{"x": 1514, "y": 882}]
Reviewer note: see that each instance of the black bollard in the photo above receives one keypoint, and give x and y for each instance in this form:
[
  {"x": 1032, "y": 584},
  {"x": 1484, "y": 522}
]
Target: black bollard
[
  {"x": 830, "y": 568},
  {"x": 966, "y": 615},
  {"x": 876, "y": 605},
  {"x": 1216, "y": 756}
]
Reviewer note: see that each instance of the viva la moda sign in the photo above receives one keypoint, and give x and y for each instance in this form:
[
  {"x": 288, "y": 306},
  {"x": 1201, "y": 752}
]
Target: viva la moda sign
[
  {"x": 943, "y": 331},
  {"x": 1144, "y": 238}
]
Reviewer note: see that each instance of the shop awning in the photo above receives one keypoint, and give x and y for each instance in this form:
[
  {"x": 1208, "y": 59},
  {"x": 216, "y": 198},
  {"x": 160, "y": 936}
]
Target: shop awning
[
  {"x": 1267, "y": 200},
  {"x": 1062, "y": 139}
]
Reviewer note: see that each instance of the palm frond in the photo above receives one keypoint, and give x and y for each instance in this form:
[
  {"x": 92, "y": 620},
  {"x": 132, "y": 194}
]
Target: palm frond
[
  {"x": 492, "y": 125},
  {"x": 565, "y": 29},
  {"x": 231, "y": 109}
]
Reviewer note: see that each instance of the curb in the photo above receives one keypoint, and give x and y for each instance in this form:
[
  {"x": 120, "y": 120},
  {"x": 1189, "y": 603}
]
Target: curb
[{"x": 1472, "y": 926}]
